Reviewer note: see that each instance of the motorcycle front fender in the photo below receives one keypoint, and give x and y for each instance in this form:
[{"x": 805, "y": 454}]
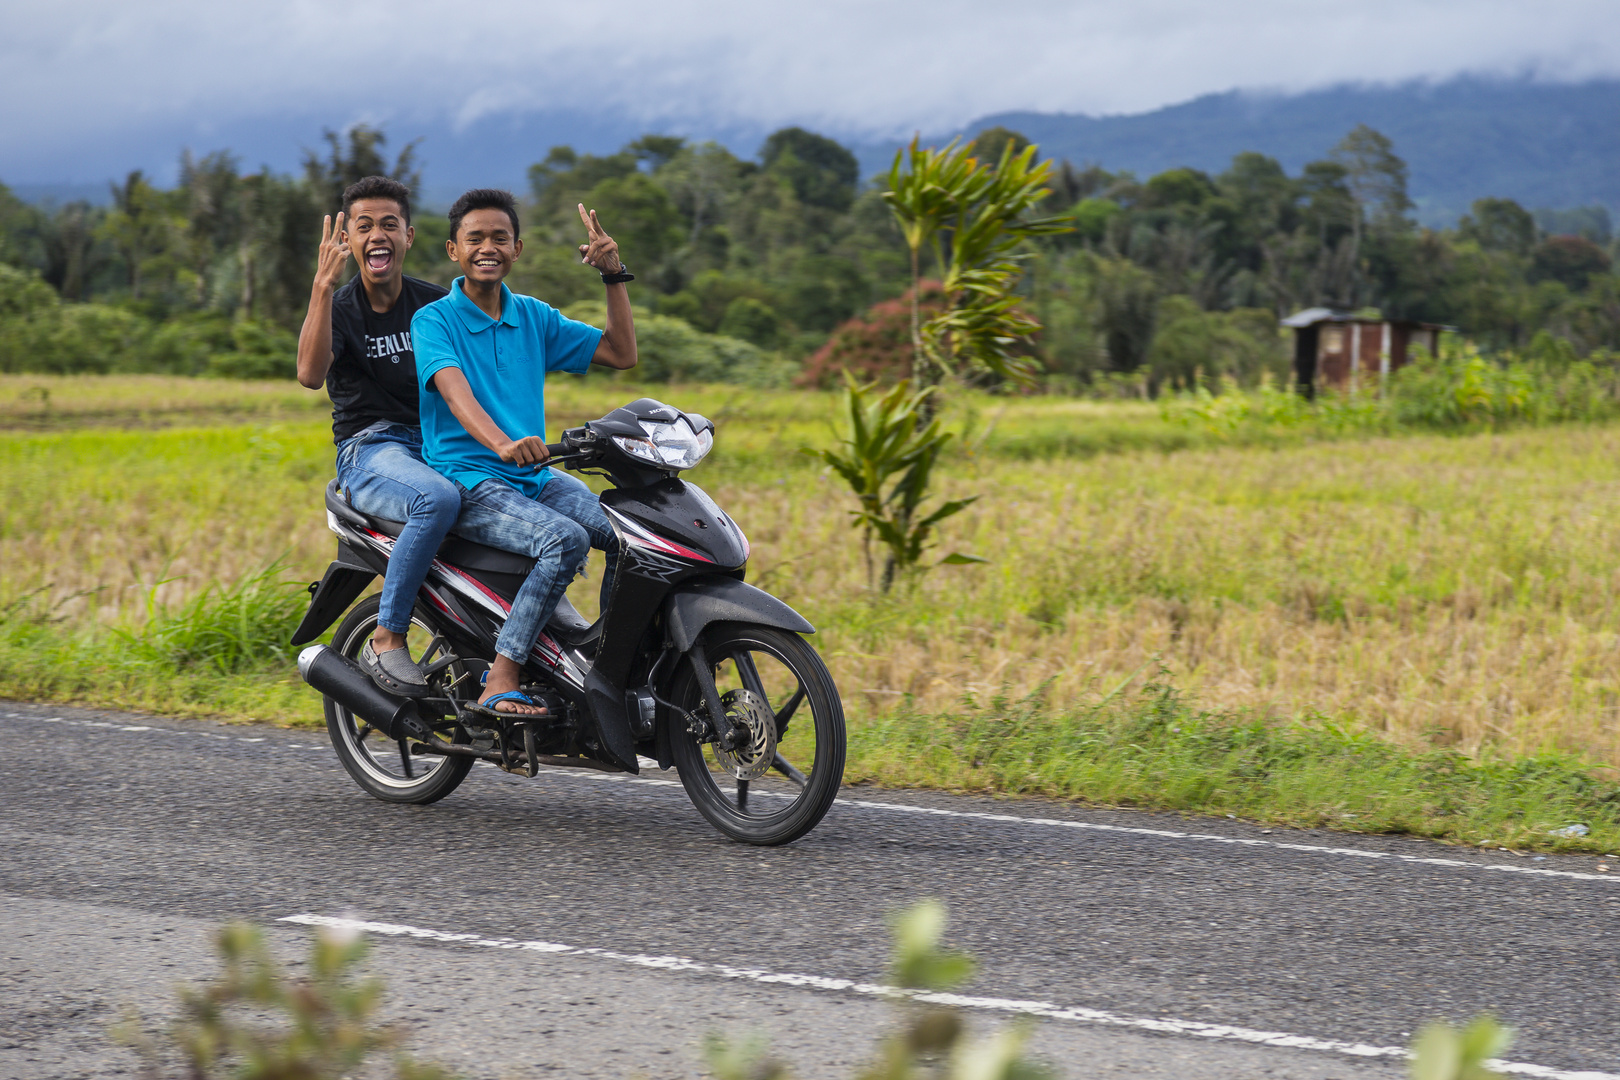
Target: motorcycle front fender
[{"x": 695, "y": 604}]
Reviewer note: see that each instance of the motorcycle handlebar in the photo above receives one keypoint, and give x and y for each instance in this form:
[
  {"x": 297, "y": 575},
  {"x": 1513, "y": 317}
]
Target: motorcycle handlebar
[{"x": 558, "y": 454}]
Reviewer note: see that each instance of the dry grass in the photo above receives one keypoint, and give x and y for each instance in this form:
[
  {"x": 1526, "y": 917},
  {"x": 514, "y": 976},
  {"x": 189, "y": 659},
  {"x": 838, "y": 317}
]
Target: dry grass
[
  {"x": 1442, "y": 591},
  {"x": 54, "y": 402},
  {"x": 1454, "y": 592}
]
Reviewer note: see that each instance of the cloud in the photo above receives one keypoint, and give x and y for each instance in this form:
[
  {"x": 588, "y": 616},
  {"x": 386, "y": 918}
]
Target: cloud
[{"x": 98, "y": 68}]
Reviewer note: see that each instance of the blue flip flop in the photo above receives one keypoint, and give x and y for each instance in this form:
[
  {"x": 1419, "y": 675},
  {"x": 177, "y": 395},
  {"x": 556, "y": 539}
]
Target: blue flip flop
[{"x": 487, "y": 707}]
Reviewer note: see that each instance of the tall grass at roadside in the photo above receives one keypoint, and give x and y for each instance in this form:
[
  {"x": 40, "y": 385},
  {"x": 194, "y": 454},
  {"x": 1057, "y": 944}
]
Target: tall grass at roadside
[
  {"x": 224, "y": 650},
  {"x": 1157, "y": 749}
]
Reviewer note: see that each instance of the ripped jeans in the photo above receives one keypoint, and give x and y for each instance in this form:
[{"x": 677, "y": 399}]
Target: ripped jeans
[{"x": 557, "y": 530}]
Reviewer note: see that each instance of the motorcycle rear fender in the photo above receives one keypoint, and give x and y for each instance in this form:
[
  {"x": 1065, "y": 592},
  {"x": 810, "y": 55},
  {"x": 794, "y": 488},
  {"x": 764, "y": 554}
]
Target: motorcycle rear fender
[
  {"x": 342, "y": 584},
  {"x": 695, "y": 604}
]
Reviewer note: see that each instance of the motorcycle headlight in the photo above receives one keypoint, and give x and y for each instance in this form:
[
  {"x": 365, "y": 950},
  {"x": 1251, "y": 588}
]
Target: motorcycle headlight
[{"x": 668, "y": 445}]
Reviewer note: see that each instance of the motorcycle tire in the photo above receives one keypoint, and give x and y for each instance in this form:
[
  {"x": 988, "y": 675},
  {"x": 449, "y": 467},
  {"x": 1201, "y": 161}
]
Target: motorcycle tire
[
  {"x": 784, "y": 803},
  {"x": 385, "y": 768}
]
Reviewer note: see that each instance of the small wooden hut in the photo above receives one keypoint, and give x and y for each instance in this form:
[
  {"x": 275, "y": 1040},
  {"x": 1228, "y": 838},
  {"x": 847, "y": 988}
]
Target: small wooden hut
[{"x": 1341, "y": 350}]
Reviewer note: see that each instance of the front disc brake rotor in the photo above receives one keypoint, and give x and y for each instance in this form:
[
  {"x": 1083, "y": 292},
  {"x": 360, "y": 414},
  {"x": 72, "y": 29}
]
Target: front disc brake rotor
[{"x": 753, "y": 756}]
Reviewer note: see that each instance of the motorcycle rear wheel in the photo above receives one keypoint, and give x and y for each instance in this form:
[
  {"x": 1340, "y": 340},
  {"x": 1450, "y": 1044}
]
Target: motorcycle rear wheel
[
  {"x": 785, "y": 803},
  {"x": 384, "y": 767}
]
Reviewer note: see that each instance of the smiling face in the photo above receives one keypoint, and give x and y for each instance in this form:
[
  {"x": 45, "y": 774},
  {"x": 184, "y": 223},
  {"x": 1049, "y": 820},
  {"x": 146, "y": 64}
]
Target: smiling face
[
  {"x": 485, "y": 247},
  {"x": 379, "y": 239}
]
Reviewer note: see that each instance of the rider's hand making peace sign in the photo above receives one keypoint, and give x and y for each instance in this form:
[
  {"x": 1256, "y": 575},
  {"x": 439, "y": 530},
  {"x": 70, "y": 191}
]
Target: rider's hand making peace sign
[
  {"x": 334, "y": 252},
  {"x": 603, "y": 251}
]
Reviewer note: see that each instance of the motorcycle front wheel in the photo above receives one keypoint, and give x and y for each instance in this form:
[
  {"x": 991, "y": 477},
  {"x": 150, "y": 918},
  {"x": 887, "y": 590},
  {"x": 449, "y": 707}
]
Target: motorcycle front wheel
[
  {"x": 762, "y": 676},
  {"x": 385, "y": 767}
]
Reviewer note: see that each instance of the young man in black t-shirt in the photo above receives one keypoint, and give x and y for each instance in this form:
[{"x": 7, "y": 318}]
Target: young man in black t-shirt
[{"x": 357, "y": 340}]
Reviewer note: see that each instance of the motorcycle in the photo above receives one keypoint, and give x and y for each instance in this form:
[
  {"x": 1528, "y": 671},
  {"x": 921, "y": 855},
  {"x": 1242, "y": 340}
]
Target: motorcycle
[{"x": 688, "y": 666}]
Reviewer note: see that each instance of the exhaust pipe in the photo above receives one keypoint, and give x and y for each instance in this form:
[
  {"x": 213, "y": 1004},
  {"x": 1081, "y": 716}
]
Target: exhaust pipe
[{"x": 346, "y": 683}]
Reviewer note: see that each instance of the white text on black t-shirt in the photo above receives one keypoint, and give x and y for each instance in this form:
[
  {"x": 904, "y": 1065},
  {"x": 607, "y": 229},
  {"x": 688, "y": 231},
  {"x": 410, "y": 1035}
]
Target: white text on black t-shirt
[{"x": 389, "y": 346}]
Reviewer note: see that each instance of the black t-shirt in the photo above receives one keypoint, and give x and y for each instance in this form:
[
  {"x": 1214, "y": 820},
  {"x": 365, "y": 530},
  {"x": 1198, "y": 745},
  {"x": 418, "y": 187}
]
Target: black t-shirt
[{"x": 373, "y": 374}]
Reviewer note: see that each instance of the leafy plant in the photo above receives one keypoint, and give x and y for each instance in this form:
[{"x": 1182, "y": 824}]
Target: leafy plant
[
  {"x": 1443, "y": 1052},
  {"x": 258, "y": 1023},
  {"x": 888, "y": 460},
  {"x": 972, "y": 217}
]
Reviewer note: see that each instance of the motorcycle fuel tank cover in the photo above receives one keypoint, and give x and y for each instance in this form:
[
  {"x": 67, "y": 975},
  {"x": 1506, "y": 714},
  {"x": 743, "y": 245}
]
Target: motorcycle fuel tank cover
[{"x": 686, "y": 514}]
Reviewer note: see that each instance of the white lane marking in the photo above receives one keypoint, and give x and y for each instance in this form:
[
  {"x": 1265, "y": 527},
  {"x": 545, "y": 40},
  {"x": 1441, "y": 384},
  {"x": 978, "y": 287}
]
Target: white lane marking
[
  {"x": 1045, "y": 1009},
  {"x": 151, "y": 729},
  {"x": 1237, "y": 840},
  {"x": 1134, "y": 830},
  {"x": 1000, "y": 819}
]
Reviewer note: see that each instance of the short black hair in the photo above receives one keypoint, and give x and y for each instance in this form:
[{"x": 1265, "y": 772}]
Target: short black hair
[
  {"x": 378, "y": 187},
  {"x": 483, "y": 199}
]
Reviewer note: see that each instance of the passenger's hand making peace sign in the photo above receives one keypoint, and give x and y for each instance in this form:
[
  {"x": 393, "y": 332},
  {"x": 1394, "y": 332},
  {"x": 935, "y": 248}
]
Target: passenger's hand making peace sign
[
  {"x": 603, "y": 251},
  {"x": 334, "y": 252}
]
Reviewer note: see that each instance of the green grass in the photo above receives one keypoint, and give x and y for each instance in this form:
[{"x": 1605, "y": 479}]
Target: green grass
[
  {"x": 1157, "y": 750},
  {"x": 223, "y": 652}
]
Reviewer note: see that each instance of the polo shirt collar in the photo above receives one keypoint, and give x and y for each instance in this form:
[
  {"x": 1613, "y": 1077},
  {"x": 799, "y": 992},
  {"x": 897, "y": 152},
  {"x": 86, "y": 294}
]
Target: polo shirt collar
[{"x": 473, "y": 317}]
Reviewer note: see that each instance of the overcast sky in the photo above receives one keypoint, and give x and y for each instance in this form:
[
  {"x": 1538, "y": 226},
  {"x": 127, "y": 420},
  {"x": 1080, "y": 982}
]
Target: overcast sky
[{"x": 93, "y": 70}]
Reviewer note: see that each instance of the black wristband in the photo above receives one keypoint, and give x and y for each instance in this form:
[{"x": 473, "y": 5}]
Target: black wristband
[{"x": 619, "y": 278}]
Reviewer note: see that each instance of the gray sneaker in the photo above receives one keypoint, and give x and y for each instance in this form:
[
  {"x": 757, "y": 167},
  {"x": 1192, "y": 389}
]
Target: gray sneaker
[{"x": 394, "y": 671}]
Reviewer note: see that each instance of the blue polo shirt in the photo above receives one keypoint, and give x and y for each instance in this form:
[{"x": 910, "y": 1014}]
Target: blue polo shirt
[{"x": 505, "y": 363}]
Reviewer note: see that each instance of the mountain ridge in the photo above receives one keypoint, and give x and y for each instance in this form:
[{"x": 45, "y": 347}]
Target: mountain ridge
[
  {"x": 1542, "y": 144},
  {"x": 1553, "y": 145}
]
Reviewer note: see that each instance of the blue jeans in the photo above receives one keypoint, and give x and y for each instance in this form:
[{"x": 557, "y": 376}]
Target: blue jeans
[
  {"x": 383, "y": 475},
  {"x": 557, "y": 530}
]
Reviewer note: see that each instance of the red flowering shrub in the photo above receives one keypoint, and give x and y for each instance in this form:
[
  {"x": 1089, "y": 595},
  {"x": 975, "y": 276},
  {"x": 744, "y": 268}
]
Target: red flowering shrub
[{"x": 876, "y": 345}]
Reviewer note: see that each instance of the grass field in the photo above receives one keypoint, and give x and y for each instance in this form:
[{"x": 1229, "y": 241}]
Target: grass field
[{"x": 1449, "y": 596}]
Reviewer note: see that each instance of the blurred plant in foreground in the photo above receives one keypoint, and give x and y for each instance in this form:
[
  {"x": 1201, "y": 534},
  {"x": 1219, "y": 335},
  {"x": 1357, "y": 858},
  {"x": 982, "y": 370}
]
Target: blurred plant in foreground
[
  {"x": 321, "y": 1027},
  {"x": 1443, "y": 1052},
  {"x": 932, "y": 1043}
]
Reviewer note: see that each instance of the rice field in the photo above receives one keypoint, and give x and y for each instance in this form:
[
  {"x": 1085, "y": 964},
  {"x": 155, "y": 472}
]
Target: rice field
[{"x": 1452, "y": 592}]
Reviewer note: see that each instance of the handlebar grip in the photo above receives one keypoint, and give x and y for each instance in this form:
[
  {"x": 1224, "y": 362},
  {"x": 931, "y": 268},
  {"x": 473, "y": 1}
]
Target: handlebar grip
[{"x": 556, "y": 449}]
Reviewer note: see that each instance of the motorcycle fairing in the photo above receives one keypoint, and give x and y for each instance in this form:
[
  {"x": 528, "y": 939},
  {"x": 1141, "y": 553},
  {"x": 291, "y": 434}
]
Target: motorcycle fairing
[{"x": 676, "y": 520}]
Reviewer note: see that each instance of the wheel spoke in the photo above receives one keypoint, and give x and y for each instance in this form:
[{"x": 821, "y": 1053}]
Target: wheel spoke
[
  {"x": 785, "y": 767},
  {"x": 405, "y": 760},
  {"x": 742, "y": 794},
  {"x": 750, "y": 675},
  {"x": 785, "y": 714}
]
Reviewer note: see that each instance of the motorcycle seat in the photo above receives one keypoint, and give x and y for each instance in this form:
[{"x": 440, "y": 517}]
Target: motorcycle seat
[{"x": 502, "y": 571}]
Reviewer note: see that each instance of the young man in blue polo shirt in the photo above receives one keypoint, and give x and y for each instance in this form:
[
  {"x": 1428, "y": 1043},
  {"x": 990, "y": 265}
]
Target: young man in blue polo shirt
[{"x": 482, "y": 355}]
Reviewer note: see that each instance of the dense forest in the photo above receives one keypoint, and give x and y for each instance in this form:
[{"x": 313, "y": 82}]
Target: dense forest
[{"x": 789, "y": 266}]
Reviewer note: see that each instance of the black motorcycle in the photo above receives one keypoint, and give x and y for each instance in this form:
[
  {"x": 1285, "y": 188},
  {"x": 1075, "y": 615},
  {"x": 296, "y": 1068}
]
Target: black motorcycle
[{"x": 687, "y": 666}]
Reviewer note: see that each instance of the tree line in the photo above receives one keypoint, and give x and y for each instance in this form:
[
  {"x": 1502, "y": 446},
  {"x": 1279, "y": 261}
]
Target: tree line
[{"x": 1163, "y": 281}]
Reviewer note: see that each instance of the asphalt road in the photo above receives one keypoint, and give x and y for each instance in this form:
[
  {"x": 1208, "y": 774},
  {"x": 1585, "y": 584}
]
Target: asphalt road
[{"x": 1152, "y": 945}]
